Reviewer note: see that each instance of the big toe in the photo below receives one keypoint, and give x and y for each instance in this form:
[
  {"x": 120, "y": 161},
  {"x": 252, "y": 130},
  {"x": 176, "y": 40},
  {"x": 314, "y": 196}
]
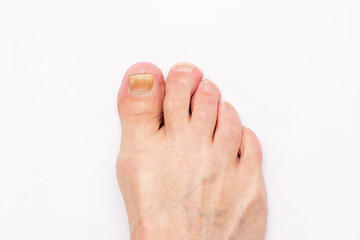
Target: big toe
[{"x": 140, "y": 99}]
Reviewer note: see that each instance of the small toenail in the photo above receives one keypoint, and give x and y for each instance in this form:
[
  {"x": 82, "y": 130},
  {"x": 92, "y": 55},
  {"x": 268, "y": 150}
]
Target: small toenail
[
  {"x": 185, "y": 66},
  {"x": 227, "y": 104},
  {"x": 209, "y": 86},
  {"x": 141, "y": 83}
]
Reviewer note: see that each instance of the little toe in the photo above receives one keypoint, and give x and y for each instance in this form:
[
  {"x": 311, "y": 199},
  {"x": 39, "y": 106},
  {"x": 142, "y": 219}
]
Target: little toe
[
  {"x": 228, "y": 131},
  {"x": 250, "y": 151},
  {"x": 140, "y": 99},
  {"x": 181, "y": 84},
  {"x": 204, "y": 107}
]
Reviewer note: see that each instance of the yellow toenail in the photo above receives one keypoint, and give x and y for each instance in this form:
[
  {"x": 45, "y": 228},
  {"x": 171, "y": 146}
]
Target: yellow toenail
[
  {"x": 141, "y": 83},
  {"x": 185, "y": 66}
]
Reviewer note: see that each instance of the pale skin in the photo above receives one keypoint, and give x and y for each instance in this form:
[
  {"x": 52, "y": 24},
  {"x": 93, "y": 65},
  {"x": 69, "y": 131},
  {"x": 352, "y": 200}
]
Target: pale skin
[{"x": 187, "y": 167}]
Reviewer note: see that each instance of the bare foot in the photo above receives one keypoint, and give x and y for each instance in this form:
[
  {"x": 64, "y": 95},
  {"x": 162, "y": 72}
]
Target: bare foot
[{"x": 187, "y": 174}]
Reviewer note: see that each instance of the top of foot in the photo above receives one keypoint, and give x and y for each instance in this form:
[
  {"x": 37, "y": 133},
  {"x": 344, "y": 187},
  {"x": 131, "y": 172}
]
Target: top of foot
[{"x": 187, "y": 168}]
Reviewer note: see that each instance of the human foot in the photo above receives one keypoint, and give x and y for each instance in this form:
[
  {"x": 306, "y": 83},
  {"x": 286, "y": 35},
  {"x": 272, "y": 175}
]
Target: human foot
[{"x": 187, "y": 169}]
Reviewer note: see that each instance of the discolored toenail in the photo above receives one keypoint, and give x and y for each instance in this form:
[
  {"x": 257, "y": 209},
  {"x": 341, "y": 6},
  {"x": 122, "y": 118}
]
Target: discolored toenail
[{"x": 141, "y": 83}]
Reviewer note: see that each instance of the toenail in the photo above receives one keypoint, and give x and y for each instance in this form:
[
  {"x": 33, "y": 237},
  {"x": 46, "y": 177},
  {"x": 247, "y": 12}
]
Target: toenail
[
  {"x": 185, "y": 66},
  {"x": 209, "y": 86},
  {"x": 227, "y": 105},
  {"x": 141, "y": 83}
]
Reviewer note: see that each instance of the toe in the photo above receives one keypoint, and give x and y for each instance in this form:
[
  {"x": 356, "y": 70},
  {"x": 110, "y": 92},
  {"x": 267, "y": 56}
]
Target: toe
[
  {"x": 181, "y": 84},
  {"x": 250, "y": 151},
  {"x": 140, "y": 99},
  {"x": 228, "y": 132},
  {"x": 204, "y": 107}
]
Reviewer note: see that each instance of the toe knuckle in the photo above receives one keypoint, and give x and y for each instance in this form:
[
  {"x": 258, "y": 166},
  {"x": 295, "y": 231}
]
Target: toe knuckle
[
  {"x": 171, "y": 104},
  {"x": 178, "y": 82},
  {"x": 208, "y": 99},
  {"x": 232, "y": 135}
]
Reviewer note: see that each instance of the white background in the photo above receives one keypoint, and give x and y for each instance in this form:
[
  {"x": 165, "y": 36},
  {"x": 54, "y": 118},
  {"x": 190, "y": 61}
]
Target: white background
[{"x": 291, "y": 68}]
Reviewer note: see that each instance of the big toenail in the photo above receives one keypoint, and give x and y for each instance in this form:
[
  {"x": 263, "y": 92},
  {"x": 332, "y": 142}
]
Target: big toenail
[
  {"x": 185, "y": 66},
  {"x": 141, "y": 83}
]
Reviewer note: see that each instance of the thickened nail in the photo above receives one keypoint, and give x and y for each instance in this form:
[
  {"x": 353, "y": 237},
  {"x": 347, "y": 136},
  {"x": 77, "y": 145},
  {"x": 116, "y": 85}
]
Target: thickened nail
[{"x": 141, "y": 83}]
